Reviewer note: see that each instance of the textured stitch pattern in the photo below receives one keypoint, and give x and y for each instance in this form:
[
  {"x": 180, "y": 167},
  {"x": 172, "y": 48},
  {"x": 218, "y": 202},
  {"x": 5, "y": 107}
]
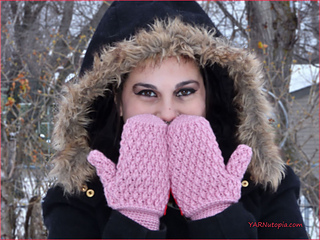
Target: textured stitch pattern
[
  {"x": 139, "y": 185},
  {"x": 201, "y": 183}
]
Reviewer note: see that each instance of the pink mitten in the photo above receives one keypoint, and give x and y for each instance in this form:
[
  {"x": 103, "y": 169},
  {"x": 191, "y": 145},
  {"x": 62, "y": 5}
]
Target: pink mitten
[
  {"x": 201, "y": 183},
  {"x": 138, "y": 186}
]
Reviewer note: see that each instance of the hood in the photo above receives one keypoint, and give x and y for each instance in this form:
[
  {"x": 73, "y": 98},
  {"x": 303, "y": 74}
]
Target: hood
[
  {"x": 171, "y": 36},
  {"x": 124, "y": 18}
]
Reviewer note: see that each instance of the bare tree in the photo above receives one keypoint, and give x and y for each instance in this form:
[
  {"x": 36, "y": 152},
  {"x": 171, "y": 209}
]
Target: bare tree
[
  {"x": 307, "y": 48},
  {"x": 272, "y": 34},
  {"x": 42, "y": 43}
]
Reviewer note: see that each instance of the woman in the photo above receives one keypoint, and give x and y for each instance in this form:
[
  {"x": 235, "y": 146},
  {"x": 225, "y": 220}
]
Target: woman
[{"x": 165, "y": 135}]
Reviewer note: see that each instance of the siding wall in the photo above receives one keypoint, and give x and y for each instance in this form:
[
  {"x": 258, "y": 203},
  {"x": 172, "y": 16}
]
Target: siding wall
[{"x": 304, "y": 120}]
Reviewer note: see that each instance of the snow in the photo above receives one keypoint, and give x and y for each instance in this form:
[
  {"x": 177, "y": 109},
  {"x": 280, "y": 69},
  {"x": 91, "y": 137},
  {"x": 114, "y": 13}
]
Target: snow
[
  {"x": 69, "y": 77},
  {"x": 311, "y": 221},
  {"x": 303, "y": 75}
]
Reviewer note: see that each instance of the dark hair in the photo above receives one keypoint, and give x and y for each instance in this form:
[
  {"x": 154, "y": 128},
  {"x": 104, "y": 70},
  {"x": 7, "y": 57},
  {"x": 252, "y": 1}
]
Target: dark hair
[
  {"x": 220, "y": 110},
  {"x": 106, "y": 127}
]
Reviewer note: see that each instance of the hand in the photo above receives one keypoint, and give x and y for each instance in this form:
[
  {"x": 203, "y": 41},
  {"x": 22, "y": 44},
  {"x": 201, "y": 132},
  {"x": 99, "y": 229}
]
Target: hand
[
  {"x": 139, "y": 185},
  {"x": 201, "y": 183}
]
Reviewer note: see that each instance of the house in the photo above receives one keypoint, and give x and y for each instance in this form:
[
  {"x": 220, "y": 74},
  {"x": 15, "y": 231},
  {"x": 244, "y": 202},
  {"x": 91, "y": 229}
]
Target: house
[{"x": 303, "y": 112}]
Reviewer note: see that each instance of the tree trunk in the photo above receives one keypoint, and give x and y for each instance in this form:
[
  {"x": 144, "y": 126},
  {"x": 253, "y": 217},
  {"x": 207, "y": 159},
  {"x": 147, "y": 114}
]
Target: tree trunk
[
  {"x": 272, "y": 36},
  {"x": 8, "y": 215}
]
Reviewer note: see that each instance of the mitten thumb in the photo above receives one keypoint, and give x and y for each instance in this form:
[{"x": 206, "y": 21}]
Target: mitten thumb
[
  {"x": 239, "y": 161},
  {"x": 106, "y": 169}
]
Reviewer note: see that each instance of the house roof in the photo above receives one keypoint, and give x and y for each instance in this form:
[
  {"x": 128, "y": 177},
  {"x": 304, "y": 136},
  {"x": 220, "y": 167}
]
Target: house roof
[{"x": 303, "y": 75}]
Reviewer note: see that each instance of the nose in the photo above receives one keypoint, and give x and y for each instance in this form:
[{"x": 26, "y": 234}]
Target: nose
[{"x": 167, "y": 113}]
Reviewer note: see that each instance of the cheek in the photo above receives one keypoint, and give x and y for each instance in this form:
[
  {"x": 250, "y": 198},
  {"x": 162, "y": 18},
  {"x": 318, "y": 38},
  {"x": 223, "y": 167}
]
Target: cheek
[
  {"x": 203, "y": 102},
  {"x": 204, "y": 108},
  {"x": 196, "y": 107},
  {"x": 200, "y": 105},
  {"x": 133, "y": 107},
  {"x": 201, "y": 108}
]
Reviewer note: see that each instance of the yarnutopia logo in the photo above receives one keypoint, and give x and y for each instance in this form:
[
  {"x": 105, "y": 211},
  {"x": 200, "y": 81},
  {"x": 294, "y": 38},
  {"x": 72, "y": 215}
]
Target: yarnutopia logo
[{"x": 274, "y": 225}]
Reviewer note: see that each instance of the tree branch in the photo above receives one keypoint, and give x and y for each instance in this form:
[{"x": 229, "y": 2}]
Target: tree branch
[{"x": 232, "y": 19}]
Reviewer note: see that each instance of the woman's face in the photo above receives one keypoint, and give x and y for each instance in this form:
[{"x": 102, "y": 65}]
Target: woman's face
[{"x": 166, "y": 90}]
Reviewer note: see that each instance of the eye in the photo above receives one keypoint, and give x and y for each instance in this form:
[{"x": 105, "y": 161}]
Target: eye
[
  {"x": 185, "y": 92},
  {"x": 147, "y": 93}
]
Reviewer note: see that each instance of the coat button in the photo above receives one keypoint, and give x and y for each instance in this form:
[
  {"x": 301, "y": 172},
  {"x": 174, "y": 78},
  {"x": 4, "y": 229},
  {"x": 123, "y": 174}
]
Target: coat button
[
  {"x": 245, "y": 183},
  {"x": 84, "y": 188},
  {"x": 90, "y": 193}
]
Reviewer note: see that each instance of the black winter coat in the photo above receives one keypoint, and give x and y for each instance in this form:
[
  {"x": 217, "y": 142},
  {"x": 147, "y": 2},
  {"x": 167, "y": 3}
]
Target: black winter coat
[{"x": 258, "y": 214}]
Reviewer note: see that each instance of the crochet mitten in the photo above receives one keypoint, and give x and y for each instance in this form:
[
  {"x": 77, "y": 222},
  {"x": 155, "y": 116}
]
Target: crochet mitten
[
  {"x": 201, "y": 183},
  {"x": 138, "y": 186}
]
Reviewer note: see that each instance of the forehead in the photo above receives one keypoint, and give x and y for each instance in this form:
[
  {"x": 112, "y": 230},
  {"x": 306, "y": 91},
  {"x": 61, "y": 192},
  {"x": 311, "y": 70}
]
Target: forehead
[
  {"x": 157, "y": 63},
  {"x": 168, "y": 68}
]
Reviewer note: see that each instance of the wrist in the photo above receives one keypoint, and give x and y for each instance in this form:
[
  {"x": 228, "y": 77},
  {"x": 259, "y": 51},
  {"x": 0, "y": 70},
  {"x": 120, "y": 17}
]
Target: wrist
[{"x": 144, "y": 218}]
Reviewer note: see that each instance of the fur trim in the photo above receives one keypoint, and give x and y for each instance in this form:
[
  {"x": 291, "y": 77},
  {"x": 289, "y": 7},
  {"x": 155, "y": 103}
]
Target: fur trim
[{"x": 165, "y": 39}]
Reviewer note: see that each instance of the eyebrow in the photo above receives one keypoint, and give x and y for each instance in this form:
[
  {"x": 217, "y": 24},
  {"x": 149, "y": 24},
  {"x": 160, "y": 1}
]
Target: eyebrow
[
  {"x": 150, "y": 86},
  {"x": 145, "y": 85},
  {"x": 179, "y": 85}
]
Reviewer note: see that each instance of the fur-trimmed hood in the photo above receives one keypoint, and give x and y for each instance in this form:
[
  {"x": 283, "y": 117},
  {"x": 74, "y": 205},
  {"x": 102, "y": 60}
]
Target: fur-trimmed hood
[{"x": 161, "y": 39}]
